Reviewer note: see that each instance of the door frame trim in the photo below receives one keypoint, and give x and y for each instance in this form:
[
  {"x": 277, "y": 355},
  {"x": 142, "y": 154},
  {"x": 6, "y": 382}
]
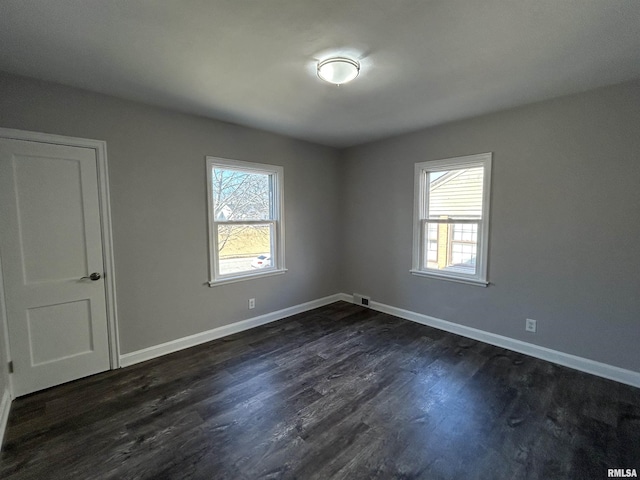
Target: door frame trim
[{"x": 100, "y": 147}]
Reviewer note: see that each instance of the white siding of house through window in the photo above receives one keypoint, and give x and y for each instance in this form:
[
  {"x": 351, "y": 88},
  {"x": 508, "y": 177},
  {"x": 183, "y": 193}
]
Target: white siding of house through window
[{"x": 457, "y": 194}]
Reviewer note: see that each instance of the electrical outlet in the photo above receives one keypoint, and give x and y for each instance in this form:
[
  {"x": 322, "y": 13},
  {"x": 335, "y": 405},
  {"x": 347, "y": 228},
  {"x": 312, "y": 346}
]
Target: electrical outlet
[
  {"x": 252, "y": 303},
  {"x": 531, "y": 325}
]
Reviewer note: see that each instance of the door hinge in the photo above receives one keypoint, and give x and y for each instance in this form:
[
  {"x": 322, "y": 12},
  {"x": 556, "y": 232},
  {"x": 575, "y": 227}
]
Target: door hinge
[{"x": 11, "y": 366}]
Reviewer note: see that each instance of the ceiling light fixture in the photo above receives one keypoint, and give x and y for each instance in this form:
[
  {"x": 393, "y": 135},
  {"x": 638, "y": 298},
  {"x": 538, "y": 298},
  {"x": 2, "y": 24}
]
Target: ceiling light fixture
[{"x": 338, "y": 70}]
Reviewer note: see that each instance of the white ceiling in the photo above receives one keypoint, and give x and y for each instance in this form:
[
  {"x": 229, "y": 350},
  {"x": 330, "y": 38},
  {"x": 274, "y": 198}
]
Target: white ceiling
[{"x": 252, "y": 62}]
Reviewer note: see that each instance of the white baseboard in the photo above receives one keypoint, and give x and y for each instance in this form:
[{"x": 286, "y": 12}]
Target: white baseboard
[
  {"x": 203, "y": 337},
  {"x": 344, "y": 297},
  {"x": 5, "y": 406},
  {"x": 604, "y": 370}
]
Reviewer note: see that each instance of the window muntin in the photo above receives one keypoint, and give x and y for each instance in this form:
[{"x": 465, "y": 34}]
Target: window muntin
[
  {"x": 451, "y": 218},
  {"x": 245, "y": 220}
]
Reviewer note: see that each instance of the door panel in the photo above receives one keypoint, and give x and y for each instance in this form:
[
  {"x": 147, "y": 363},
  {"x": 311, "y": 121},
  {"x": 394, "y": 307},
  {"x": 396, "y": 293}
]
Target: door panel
[
  {"x": 62, "y": 226},
  {"x": 60, "y": 331},
  {"x": 51, "y": 238}
]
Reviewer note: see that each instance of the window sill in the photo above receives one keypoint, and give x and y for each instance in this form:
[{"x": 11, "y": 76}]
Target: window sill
[
  {"x": 242, "y": 278},
  {"x": 451, "y": 278}
]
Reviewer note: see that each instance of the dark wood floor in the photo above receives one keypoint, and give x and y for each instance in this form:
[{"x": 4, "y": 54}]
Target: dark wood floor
[{"x": 338, "y": 392}]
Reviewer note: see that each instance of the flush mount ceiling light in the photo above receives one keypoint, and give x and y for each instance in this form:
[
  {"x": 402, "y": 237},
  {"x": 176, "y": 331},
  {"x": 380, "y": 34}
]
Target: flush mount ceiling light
[{"x": 338, "y": 70}]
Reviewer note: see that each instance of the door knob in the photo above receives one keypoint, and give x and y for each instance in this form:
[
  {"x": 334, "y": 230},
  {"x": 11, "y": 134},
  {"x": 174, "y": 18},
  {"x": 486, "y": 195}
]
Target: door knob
[{"x": 94, "y": 276}]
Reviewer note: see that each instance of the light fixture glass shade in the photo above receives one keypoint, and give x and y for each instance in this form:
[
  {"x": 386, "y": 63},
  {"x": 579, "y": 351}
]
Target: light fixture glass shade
[{"x": 338, "y": 70}]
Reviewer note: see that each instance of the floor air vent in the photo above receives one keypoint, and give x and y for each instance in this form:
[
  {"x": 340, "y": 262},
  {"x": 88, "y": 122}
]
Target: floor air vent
[{"x": 361, "y": 300}]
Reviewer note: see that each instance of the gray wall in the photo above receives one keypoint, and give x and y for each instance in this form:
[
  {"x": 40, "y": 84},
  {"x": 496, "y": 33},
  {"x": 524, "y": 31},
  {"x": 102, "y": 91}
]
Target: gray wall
[
  {"x": 158, "y": 199},
  {"x": 565, "y": 224}
]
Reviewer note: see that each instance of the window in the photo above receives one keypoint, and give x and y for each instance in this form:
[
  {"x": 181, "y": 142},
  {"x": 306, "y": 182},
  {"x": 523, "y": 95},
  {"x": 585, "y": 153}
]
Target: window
[
  {"x": 451, "y": 218},
  {"x": 246, "y": 227}
]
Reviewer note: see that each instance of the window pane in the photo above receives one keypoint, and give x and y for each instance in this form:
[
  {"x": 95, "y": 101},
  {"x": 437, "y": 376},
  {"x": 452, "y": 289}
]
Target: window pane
[
  {"x": 244, "y": 248},
  {"x": 451, "y": 247},
  {"x": 239, "y": 195},
  {"x": 455, "y": 193},
  {"x": 432, "y": 242}
]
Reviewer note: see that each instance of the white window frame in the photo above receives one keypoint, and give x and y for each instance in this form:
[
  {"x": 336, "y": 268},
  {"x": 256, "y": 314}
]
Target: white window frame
[
  {"x": 277, "y": 221},
  {"x": 421, "y": 208}
]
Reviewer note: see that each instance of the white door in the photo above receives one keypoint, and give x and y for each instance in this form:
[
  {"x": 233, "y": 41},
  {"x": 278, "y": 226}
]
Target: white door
[{"x": 50, "y": 242}]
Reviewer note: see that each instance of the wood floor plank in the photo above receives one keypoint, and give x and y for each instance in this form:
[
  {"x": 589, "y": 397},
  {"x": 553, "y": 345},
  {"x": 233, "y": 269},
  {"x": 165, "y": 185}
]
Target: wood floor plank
[{"x": 340, "y": 392}]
